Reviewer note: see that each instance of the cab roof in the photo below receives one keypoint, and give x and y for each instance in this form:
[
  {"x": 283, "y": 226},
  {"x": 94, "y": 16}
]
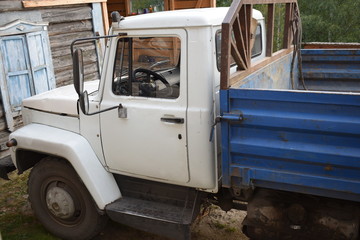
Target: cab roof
[{"x": 178, "y": 18}]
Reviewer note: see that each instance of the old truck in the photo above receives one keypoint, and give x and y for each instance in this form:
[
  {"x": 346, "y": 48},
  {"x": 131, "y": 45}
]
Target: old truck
[{"x": 195, "y": 105}]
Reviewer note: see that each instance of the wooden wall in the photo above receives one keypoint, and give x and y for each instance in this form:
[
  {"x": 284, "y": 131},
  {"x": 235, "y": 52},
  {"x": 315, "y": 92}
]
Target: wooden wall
[
  {"x": 67, "y": 23},
  {"x": 123, "y": 6}
]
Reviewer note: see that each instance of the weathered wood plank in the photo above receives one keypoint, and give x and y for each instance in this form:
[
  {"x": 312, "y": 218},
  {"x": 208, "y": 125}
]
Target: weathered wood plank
[
  {"x": 116, "y": 7},
  {"x": 270, "y": 30},
  {"x": 10, "y": 16},
  {"x": 64, "y": 28},
  {"x": 3, "y": 125},
  {"x": 10, "y": 6},
  {"x": 66, "y": 14},
  {"x": 67, "y": 39},
  {"x": 49, "y": 3},
  {"x": 105, "y": 16},
  {"x": 65, "y": 50},
  {"x": 63, "y": 61},
  {"x": 65, "y": 77}
]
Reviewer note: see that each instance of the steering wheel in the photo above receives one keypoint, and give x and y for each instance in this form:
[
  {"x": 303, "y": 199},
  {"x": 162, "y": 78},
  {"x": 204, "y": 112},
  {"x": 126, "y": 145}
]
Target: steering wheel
[{"x": 156, "y": 76}]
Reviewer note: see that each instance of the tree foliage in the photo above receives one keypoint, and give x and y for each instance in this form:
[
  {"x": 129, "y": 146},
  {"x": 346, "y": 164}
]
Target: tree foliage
[
  {"x": 322, "y": 21},
  {"x": 330, "y": 20}
]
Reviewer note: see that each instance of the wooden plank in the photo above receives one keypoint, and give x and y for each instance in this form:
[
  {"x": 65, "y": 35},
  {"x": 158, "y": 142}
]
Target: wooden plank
[
  {"x": 225, "y": 56},
  {"x": 105, "y": 17},
  {"x": 270, "y": 30},
  {"x": 248, "y": 11},
  {"x": 115, "y": 6},
  {"x": 287, "y": 26},
  {"x": 171, "y": 4},
  {"x": 67, "y": 39},
  {"x": 240, "y": 40},
  {"x": 10, "y": 6},
  {"x": 65, "y": 77},
  {"x": 127, "y": 7},
  {"x": 237, "y": 57},
  {"x": 166, "y": 5},
  {"x": 185, "y": 4},
  {"x": 66, "y": 14},
  {"x": 212, "y": 3},
  {"x": 64, "y": 28},
  {"x": 199, "y": 3},
  {"x": 48, "y": 3}
]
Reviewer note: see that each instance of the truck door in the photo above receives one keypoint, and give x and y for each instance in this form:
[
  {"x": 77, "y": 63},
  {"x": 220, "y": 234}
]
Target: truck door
[{"x": 147, "y": 136}]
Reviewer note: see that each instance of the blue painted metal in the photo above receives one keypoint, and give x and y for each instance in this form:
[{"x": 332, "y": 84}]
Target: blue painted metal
[
  {"x": 297, "y": 141},
  {"x": 331, "y": 69}
]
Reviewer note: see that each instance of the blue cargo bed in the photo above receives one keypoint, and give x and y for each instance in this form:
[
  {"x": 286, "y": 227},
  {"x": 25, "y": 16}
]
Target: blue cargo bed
[{"x": 293, "y": 140}]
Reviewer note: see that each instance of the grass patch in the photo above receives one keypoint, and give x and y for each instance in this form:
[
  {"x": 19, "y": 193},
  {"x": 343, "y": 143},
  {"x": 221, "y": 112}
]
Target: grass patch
[{"x": 17, "y": 221}]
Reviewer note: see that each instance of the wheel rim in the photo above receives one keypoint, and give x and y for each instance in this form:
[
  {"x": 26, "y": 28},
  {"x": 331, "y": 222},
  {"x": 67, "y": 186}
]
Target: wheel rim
[{"x": 61, "y": 202}]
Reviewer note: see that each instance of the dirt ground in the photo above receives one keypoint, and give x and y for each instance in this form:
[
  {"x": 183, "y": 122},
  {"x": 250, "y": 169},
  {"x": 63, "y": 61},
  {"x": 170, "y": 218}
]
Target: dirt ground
[{"x": 214, "y": 224}]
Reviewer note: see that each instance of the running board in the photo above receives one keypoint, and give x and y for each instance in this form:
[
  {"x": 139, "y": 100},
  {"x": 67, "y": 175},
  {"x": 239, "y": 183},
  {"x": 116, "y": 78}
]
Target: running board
[{"x": 160, "y": 218}]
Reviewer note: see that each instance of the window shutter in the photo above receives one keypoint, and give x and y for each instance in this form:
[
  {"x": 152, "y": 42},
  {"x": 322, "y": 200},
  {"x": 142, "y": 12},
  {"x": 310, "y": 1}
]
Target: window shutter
[
  {"x": 16, "y": 67},
  {"x": 40, "y": 62},
  {"x": 25, "y": 66}
]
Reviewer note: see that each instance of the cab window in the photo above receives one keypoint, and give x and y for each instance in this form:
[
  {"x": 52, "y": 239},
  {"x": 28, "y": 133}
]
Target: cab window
[
  {"x": 255, "y": 51},
  {"x": 147, "y": 67}
]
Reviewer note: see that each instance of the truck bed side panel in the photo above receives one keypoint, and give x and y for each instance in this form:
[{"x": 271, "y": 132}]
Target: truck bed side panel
[{"x": 306, "y": 142}]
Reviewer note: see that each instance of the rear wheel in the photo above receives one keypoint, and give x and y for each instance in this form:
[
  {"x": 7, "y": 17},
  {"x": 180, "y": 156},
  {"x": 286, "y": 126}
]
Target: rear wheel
[{"x": 61, "y": 201}]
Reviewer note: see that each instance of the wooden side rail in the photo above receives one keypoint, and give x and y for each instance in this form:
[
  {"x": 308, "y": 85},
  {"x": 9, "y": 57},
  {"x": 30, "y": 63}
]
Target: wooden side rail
[{"x": 237, "y": 34}]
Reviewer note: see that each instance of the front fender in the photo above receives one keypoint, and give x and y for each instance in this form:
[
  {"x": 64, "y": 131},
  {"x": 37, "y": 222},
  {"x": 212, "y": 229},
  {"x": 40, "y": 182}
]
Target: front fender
[{"x": 75, "y": 149}]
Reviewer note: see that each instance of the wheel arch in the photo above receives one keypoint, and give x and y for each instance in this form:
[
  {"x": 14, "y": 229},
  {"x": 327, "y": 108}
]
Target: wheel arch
[{"x": 36, "y": 141}]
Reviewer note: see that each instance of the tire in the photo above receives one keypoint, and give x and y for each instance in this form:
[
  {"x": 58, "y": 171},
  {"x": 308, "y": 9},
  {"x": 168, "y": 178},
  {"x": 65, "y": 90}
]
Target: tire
[{"x": 61, "y": 201}]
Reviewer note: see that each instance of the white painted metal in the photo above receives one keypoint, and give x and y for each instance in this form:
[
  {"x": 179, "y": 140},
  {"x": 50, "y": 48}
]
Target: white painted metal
[
  {"x": 65, "y": 122},
  {"x": 142, "y": 145},
  {"x": 175, "y": 19},
  {"x": 76, "y": 149},
  {"x": 60, "y": 100}
]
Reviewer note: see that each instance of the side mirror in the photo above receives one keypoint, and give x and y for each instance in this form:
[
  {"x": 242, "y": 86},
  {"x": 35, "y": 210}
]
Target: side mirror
[
  {"x": 84, "y": 102},
  {"x": 78, "y": 71}
]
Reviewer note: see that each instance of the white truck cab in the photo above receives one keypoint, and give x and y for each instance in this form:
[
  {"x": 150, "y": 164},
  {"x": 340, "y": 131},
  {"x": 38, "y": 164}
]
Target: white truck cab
[{"x": 148, "y": 120}]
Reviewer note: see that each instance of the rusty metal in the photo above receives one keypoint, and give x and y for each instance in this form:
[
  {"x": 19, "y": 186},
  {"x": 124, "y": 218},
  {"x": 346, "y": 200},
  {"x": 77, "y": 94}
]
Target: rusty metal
[{"x": 327, "y": 45}]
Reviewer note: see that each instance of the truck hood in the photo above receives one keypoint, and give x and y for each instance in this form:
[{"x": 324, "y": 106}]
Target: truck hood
[{"x": 62, "y": 100}]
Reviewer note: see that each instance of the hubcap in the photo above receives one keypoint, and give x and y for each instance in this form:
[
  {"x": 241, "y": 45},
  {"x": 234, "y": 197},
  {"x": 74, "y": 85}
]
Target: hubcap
[{"x": 60, "y": 203}]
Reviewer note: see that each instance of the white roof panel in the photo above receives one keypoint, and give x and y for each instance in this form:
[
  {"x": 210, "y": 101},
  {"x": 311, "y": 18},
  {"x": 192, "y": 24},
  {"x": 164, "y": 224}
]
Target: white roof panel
[{"x": 179, "y": 18}]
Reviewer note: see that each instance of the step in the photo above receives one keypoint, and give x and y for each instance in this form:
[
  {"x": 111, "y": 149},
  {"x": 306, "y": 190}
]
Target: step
[{"x": 155, "y": 217}]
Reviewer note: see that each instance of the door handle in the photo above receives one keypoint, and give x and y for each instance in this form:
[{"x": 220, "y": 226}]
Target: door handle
[{"x": 172, "y": 120}]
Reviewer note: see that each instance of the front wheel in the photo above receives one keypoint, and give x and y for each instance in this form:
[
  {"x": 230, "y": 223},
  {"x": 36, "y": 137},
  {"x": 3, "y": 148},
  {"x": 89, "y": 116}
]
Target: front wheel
[{"x": 61, "y": 202}]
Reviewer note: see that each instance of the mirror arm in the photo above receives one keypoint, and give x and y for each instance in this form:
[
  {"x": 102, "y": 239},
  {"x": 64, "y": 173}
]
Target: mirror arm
[
  {"x": 101, "y": 111},
  {"x": 91, "y": 39}
]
